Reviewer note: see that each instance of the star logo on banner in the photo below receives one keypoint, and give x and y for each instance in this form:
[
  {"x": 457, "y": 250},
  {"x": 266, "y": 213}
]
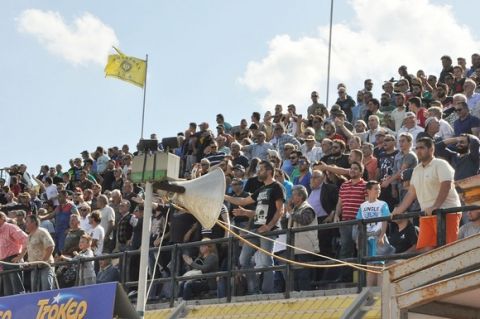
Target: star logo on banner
[{"x": 56, "y": 299}]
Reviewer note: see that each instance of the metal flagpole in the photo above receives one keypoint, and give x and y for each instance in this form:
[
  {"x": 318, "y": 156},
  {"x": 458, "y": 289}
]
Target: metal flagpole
[
  {"x": 147, "y": 220},
  {"x": 144, "y": 93},
  {"x": 329, "y": 51}
]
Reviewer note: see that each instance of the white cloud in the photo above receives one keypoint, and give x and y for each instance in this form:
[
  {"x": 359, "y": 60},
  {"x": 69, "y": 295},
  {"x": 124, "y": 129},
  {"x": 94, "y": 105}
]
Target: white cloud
[
  {"x": 374, "y": 44},
  {"x": 86, "y": 40}
]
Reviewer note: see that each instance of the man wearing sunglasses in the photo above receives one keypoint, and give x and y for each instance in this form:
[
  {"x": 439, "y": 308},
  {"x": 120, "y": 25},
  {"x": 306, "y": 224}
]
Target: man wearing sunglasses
[{"x": 466, "y": 123}]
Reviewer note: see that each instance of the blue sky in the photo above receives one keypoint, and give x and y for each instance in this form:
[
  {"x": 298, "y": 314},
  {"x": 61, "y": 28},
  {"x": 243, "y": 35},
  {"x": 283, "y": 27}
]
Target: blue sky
[{"x": 205, "y": 57}]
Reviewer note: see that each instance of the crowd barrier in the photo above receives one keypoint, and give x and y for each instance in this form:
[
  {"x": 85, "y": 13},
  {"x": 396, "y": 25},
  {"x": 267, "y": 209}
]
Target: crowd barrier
[{"x": 232, "y": 249}]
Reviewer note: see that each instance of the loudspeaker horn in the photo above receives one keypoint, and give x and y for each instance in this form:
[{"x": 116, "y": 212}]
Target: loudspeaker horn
[{"x": 203, "y": 197}]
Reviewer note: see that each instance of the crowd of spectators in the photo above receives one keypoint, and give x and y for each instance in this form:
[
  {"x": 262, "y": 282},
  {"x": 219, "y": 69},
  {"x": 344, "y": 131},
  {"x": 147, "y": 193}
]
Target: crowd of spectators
[{"x": 362, "y": 157}]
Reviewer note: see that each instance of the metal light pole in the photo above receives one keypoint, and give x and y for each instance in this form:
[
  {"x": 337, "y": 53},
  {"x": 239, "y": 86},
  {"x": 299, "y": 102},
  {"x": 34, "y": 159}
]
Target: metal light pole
[{"x": 329, "y": 52}]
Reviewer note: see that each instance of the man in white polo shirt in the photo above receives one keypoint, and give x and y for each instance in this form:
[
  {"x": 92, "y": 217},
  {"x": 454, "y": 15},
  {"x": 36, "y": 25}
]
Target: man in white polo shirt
[{"x": 432, "y": 184}]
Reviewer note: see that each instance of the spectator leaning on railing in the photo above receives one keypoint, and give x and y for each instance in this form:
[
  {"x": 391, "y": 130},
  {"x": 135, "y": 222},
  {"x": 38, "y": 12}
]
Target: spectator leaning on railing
[
  {"x": 13, "y": 242},
  {"x": 39, "y": 248},
  {"x": 432, "y": 185}
]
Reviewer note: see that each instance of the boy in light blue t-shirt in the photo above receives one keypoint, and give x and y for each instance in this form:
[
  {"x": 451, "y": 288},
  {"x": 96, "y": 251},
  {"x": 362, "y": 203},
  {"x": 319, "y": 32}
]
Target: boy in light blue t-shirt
[{"x": 373, "y": 208}]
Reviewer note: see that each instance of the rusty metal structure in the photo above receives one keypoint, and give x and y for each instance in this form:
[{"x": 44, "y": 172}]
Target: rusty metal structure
[{"x": 443, "y": 283}]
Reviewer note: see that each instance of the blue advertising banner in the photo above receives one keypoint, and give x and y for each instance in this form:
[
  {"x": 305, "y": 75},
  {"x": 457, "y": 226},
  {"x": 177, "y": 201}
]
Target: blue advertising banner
[{"x": 94, "y": 301}]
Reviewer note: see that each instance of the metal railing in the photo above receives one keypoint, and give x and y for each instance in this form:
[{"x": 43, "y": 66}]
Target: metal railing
[{"x": 175, "y": 279}]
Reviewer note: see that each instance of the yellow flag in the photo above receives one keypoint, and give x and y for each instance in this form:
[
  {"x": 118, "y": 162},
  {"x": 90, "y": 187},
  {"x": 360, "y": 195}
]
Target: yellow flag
[{"x": 126, "y": 68}]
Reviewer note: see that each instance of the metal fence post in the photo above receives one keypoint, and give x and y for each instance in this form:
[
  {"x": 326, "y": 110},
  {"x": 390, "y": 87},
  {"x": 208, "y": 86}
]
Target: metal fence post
[
  {"x": 361, "y": 253},
  {"x": 173, "y": 274},
  {"x": 441, "y": 227},
  {"x": 123, "y": 267},
  {"x": 289, "y": 271},
  {"x": 229, "y": 269}
]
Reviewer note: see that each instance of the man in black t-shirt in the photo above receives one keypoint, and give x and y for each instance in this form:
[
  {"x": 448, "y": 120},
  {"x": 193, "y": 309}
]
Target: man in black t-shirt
[
  {"x": 270, "y": 200},
  {"x": 404, "y": 236},
  {"x": 338, "y": 156},
  {"x": 386, "y": 161}
]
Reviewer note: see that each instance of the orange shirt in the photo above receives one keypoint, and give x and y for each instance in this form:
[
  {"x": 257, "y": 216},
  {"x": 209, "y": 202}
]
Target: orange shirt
[{"x": 371, "y": 167}]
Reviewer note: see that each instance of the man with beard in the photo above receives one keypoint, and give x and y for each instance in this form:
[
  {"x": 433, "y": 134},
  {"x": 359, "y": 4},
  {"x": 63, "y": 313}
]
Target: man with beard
[
  {"x": 304, "y": 173},
  {"x": 446, "y": 100},
  {"x": 472, "y": 227},
  {"x": 432, "y": 184},
  {"x": 337, "y": 157},
  {"x": 331, "y": 132},
  {"x": 270, "y": 200},
  {"x": 351, "y": 195},
  {"x": 294, "y": 157},
  {"x": 464, "y": 158},
  {"x": 373, "y": 108},
  {"x": 386, "y": 162}
]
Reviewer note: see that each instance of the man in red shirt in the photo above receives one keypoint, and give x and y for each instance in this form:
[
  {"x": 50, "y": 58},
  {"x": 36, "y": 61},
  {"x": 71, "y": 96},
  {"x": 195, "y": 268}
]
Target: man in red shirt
[
  {"x": 351, "y": 195},
  {"x": 12, "y": 241}
]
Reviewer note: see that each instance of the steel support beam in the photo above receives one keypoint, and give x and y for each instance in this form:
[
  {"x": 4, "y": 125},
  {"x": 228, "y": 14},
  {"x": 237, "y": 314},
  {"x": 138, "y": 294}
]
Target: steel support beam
[
  {"x": 433, "y": 257},
  {"x": 438, "y": 290},
  {"x": 430, "y": 274}
]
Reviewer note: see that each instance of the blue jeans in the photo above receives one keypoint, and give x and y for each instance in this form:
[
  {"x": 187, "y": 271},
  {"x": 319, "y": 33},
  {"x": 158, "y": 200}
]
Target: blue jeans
[
  {"x": 42, "y": 279},
  {"x": 12, "y": 283},
  {"x": 347, "y": 249},
  {"x": 261, "y": 260}
]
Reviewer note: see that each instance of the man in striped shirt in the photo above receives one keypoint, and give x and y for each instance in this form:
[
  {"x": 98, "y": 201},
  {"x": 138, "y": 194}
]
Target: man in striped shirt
[
  {"x": 12, "y": 241},
  {"x": 351, "y": 195}
]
